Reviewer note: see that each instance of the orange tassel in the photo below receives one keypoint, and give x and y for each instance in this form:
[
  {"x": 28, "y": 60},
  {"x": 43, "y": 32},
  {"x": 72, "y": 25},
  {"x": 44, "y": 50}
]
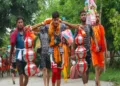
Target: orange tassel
[{"x": 51, "y": 32}]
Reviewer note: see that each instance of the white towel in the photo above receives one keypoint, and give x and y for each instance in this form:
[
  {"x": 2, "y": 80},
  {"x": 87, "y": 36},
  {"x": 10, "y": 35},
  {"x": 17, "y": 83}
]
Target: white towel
[{"x": 20, "y": 54}]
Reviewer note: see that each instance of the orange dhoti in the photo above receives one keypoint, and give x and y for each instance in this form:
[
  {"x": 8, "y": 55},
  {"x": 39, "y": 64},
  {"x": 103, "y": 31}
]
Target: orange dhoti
[{"x": 98, "y": 59}]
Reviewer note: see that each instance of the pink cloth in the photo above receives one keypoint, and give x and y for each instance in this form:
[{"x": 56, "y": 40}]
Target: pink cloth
[{"x": 13, "y": 37}]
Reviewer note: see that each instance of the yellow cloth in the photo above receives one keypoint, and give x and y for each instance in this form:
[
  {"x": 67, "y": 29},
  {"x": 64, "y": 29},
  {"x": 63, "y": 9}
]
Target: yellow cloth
[
  {"x": 65, "y": 73},
  {"x": 66, "y": 61},
  {"x": 66, "y": 54}
]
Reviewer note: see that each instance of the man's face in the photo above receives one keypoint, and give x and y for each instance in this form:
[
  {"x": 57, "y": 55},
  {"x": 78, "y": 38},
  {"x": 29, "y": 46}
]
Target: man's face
[
  {"x": 97, "y": 18},
  {"x": 20, "y": 24},
  {"x": 83, "y": 17},
  {"x": 55, "y": 21}
]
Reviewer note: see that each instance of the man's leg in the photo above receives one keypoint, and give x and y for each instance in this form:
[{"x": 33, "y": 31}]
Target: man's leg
[
  {"x": 53, "y": 84},
  {"x": 87, "y": 75},
  {"x": 21, "y": 80},
  {"x": 101, "y": 69},
  {"x": 58, "y": 82},
  {"x": 21, "y": 72},
  {"x": 97, "y": 75},
  {"x": 44, "y": 76},
  {"x": 25, "y": 76},
  {"x": 26, "y": 80},
  {"x": 48, "y": 66},
  {"x": 87, "y": 72},
  {"x": 21, "y": 66},
  {"x": 13, "y": 77},
  {"x": 58, "y": 77},
  {"x": 53, "y": 78},
  {"x": 48, "y": 77},
  {"x": 84, "y": 78},
  {"x": 13, "y": 72},
  {"x": 44, "y": 69}
]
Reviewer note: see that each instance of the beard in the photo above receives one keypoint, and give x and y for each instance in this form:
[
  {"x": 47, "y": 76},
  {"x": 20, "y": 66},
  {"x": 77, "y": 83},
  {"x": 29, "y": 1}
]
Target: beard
[
  {"x": 97, "y": 21},
  {"x": 20, "y": 28},
  {"x": 83, "y": 20}
]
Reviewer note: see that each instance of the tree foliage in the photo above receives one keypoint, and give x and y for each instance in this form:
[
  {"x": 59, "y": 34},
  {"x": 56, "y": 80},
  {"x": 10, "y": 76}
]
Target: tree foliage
[
  {"x": 115, "y": 22},
  {"x": 110, "y": 18},
  {"x": 67, "y": 8},
  {"x": 10, "y": 9}
]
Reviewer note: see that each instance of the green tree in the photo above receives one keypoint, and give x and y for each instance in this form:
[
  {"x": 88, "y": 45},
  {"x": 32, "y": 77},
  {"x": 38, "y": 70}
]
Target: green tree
[
  {"x": 110, "y": 20},
  {"x": 67, "y": 8},
  {"x": 10, "y": 9}
]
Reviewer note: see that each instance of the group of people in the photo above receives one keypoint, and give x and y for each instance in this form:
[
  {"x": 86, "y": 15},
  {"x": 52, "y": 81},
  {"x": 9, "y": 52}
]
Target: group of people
[
  {"x": 55, "y": 50},
  {"x": 4, "y": 65}
]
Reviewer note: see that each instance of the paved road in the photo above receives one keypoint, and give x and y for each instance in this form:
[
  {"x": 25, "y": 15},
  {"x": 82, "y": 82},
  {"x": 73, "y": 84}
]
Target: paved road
[{"x": 37, "y": 81}]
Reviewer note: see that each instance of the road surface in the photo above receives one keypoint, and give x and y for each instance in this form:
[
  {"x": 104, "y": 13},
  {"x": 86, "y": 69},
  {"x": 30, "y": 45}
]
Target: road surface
[{"x": 38, "y": 81}]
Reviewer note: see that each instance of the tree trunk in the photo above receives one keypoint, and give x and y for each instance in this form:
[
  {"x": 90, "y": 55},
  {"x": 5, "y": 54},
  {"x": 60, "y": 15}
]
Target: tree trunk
[
  {"x": 112, "y": 53},
  {"x": 100, "y": 10}
]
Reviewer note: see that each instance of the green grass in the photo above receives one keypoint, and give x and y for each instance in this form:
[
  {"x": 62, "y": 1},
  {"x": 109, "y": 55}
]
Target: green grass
[
  {"x": 111, "y": 74},
  {"x": 116, "y": 84}
]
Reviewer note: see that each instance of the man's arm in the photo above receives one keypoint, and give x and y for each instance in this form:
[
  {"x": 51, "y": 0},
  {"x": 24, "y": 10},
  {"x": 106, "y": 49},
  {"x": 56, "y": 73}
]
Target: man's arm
[
  {"x": 11, "y": 53},
  {"x": 34, "y": 27},
  {"x": 75, "y": 26},
  {"x": 46, "y": 21}
]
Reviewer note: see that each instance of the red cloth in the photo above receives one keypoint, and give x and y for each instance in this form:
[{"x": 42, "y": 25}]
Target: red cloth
[
  {"x": 13, "y": 37},
  {"x": 56, "y": 74},
  {"x": 99, "y": 34}
]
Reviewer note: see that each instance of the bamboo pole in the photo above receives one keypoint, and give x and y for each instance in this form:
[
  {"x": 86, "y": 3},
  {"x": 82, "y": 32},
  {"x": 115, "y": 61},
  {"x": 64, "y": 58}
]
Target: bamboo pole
[{"x": 101, "y": 10}]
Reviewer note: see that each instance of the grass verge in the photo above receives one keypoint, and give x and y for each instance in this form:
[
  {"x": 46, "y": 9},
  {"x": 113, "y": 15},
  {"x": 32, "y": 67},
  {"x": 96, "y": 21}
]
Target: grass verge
[{"x": 111, "y": 75}]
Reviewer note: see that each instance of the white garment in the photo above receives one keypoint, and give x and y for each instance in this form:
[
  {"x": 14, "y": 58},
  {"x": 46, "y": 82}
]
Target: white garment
[{"x": 20, "y": 54}]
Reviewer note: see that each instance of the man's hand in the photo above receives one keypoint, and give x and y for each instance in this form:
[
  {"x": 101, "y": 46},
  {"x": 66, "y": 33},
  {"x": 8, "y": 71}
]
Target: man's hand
[
  {"x": 60, "y": 20},
  {"x": 63, "y": 21},
  {"x": 81, "y": 26},
  {"x": 53, "y": 65},
  {"x": 97, "y": 49},
  {"x": 28, "y": 28}
]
